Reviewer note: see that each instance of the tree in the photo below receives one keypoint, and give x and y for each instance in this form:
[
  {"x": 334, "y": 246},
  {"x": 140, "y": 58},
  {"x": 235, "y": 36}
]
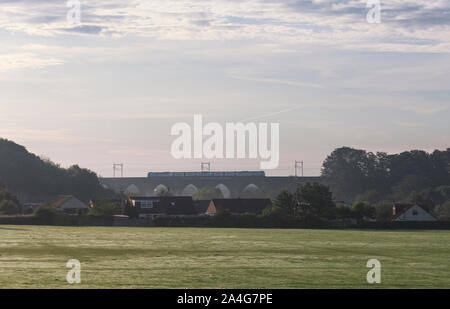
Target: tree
[
  {"x": 207, "y": 193},
  {"x": 441, "y": 194},
  {"x": 369, "y": 196},
  {"x": 440, "y": 160},
  {"x": 9, "y": 207},
  {"x": 39, "y": 178},
  {"x": 410, "y": 165},
  {"x": 361, "y": 210},
  {"x": 315, "y": 201},
  {"x": 45, "y": 211},
  {"x": 163, "y": 192},
  {"x": 350, "y": 172},
  {"x": 104, "y": 208},
  {"x": 421, "y": 200},
  {"x": 408, "y": 185},
  {"x": 431, "y": 197},
  {"x": 357, "y": 175},
  {"x": 284, "y": 204},
  {"x": 383, "y": 212},
  {"x": 9, "y": 204},
  {"x": 344, "y": 212},
  {"x": 443, "y": 211}
]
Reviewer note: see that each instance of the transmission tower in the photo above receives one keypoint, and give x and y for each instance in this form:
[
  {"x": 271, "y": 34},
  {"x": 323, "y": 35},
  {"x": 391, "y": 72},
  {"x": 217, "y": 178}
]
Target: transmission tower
[
  {"x": 298, "y": 164},
  {"x": 117, "y": 167},
  {"x": 206, "y": 167}
]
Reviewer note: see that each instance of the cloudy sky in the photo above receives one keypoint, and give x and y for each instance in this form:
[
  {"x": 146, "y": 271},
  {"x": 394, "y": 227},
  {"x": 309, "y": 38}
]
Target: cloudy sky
[{"x": 109, "y": 89}]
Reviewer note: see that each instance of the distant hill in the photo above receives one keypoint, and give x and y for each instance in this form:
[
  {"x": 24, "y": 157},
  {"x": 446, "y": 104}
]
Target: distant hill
[{"x": 33, "y": 178}]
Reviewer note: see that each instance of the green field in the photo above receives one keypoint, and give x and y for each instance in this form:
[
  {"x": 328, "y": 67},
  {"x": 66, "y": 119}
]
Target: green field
[{"x": 122, "y": 257}]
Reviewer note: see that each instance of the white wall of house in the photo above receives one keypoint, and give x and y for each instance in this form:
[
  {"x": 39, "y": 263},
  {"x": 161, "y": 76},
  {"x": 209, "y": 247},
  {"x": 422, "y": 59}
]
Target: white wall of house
[{"x": 416, "y": 213}]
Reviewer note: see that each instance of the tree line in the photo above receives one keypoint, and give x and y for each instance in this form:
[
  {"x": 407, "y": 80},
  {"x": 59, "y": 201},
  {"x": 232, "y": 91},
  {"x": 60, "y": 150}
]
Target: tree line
[
  {"x": 33, "y": 178},
  {"x": 379, "y": 179},
  {"x": 355, "y": 184}
]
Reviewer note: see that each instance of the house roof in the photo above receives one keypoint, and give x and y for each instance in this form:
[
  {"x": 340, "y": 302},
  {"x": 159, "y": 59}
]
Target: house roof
[
  {"x": 401, "y": 208},
  {"x": 68, "y": 201},
  {"x": 169, "y": 205},
  {"x": 201, "y": 206},
  {"x": 242, "y": 205},
  {"x": 61, "y": 199}
]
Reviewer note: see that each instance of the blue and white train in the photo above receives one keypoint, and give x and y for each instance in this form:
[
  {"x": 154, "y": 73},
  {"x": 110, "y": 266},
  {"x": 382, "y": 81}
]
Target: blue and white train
[{"x": 203, "y": 174}]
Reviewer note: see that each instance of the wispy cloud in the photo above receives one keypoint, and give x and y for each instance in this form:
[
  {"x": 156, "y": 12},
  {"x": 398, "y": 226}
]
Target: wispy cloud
[
  {"x": 9, "y": 62},
  {"x": 268, "y": 115},
  {"x": 133, "y": 68},
  {"x": 278, "y": 81},
  {"x": 406, "y": 25}
]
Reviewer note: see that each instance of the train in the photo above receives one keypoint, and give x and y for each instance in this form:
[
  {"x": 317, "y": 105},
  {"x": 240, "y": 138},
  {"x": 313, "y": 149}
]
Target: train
[{"x": 207, "y": 174}]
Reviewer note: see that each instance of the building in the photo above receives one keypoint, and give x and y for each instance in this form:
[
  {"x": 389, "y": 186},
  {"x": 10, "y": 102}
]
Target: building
[
  {"x": 151, "y": 206},
  {"x": 239, "y": 205},
  {"x": 230, "y": 184},
  {"x": 30, "y": 207},
  {"x": 69, "y": 204},
  {"x": 410, "y": 212},
  {"x": 201, "y": 206}
]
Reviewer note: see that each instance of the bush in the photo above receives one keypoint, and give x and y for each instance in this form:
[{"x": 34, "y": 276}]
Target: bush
[
  {"x": 45, "y": 212},
  {"x": 223, "y": 218},
  {"x": 383, "y": 212},
  {"x": 226, "y": 219},
  {"x": 105, "y": 208},
  {"x": 285, "y": 204},
  {"x": 9, "y": 207},
  {"x": 361, "y": 211},
  {"x": 344, "y": 212},
  {"x": 315, "y": 202},
  {"x": 443, "y": 211},
  {"x": 208, "y": 193},
  {"x": 9, "y": 204}
]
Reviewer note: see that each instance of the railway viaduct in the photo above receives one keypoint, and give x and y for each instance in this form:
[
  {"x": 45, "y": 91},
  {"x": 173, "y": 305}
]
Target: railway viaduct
[{"x": 229, "y": 186}]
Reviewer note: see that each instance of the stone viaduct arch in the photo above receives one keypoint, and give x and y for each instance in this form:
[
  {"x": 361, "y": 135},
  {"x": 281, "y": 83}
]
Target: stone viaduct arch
[{"x": 230, "y": 186}]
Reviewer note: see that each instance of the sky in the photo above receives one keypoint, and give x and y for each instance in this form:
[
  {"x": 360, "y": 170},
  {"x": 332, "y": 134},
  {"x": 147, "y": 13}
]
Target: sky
[{"x": 110, "y": 88}]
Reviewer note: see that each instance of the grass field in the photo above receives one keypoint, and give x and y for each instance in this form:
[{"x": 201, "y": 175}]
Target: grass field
[{"x": 121, "y": 257}]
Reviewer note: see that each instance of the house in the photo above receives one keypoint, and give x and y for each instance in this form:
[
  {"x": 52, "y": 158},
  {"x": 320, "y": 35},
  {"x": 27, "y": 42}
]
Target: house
[
  {"x": 69, "y": 204},
  {"x": 239, "y": 205},
  {"x": 410, "y": 212},
  {"x": 201, "y": 206},
  {"x": 30, "y": 207},
  {"x": 163, "y": 206}
]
